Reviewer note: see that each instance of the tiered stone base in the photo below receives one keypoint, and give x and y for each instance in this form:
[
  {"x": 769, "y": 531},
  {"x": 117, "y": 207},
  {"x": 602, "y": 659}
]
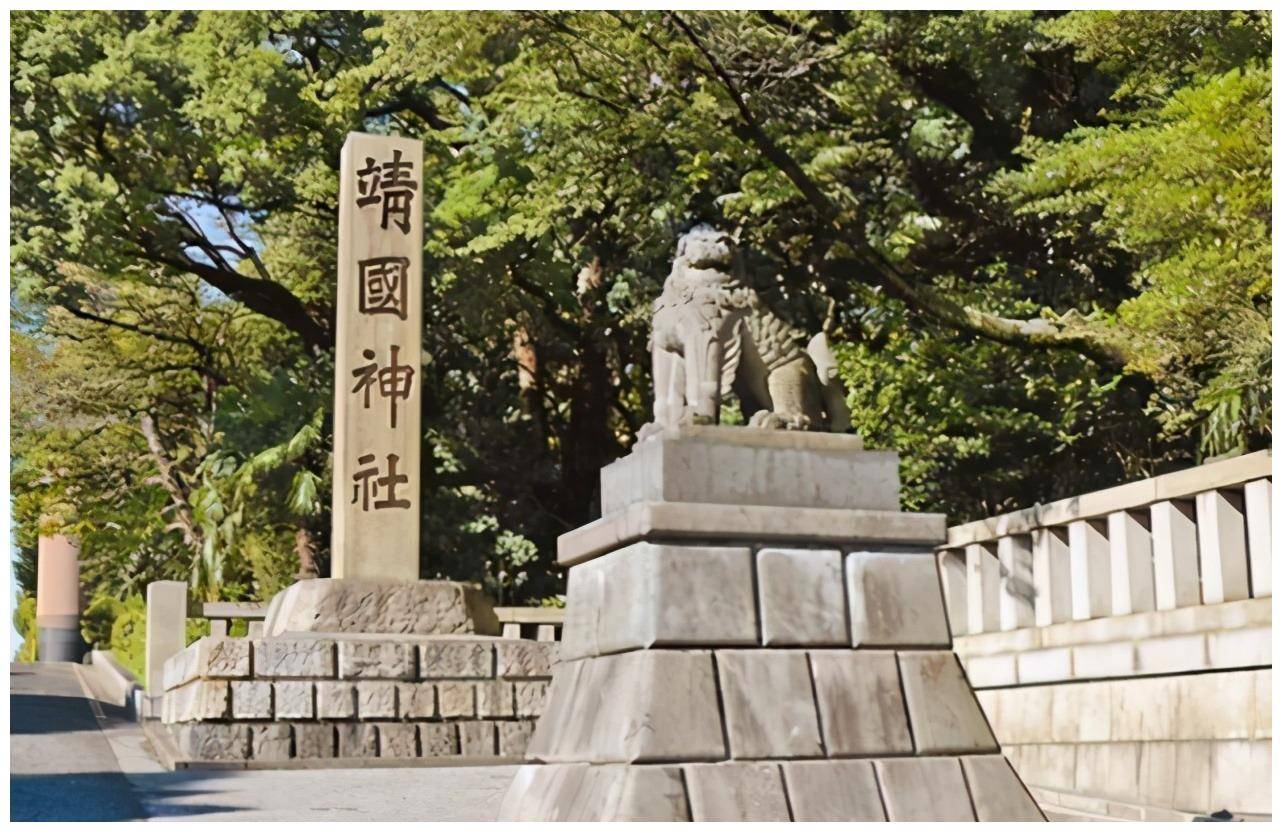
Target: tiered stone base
[
  {"x": 707, "y": 674},
  {"x": 316, "y": 696}
]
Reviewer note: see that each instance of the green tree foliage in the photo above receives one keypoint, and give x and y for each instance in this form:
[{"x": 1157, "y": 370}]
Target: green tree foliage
[
  {"x": 24, "y": 621},
  {"x": 1039, "y": 240}
]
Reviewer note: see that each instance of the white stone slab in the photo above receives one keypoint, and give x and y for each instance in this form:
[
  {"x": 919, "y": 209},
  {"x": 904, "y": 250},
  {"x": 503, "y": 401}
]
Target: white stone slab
[
  {"x": 1052, "y": 577},
  {"x": 833, "y": 790},
  {"x": 769, "y": 705},
  {"x": 1052, "y": 664},
  {"x": 1088, "y": 556},
  {"x": 801, "y": 597},
  {"x": 294, "y": 700},
  {"x": 861, "y": 705},
  {"x": 924, "y": 789},
  {"x": 1175, "y": 567},
  {"x": 749, "y": 524},
  {"x": 357, "y": 606},
  {"x": 736, "y": 792},
  {"x": 336, "y": 700},
  {"x": 1131, "y": 558},
  {"x": 1221, "y": 543},
  {"x": 662, "y": 595},
  {"x": 1258, "y": 498},
  {"x": 376, "y": 700},
  {"x": 942, "y": 709},
  {"x": 895, "y": 600}
]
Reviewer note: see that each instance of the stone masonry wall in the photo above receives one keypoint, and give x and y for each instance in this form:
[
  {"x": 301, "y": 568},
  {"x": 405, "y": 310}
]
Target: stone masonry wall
[{"x": 276, "y": 699}]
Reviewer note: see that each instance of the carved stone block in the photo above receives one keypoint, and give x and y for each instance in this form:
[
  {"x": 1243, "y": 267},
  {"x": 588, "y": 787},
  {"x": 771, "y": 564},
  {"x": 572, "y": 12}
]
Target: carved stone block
[
  {"x": 375, "y": 660},
  {"x": 294, "y": 658}
]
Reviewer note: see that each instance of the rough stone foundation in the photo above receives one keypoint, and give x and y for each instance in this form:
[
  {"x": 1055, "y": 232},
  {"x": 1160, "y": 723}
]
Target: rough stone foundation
[{"x": 310, "y": 696}]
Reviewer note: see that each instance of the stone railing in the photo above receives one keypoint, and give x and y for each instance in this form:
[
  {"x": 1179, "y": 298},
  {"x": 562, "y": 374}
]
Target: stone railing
[
  {"x": 1153, "y": 600},
  {"x": 538, "y": 623},
  {"x": 222, "y": 613},
  {"x": 1199, "y": 536}
]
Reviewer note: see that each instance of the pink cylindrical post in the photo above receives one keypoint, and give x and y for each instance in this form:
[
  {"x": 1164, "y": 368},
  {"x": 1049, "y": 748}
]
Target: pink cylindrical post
[{"x": 58, "y": 599}]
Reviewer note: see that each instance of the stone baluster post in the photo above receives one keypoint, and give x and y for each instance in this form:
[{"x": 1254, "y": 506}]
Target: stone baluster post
[
  {"x": 1221, "y": 539},
  {"x": 1089, "y": 561},
  {"x": 982, "y": 587},
  {"x": 952, "y": 570},
  {"x": 1016, "y": 595},
  {"x": 166, "y": 630},
  {"x": 1259, "y": 535},
  {"x": 1131, "y": 555},
  {"x": 1052, "y": 577},
  {"x": 1175, "y": 580}
]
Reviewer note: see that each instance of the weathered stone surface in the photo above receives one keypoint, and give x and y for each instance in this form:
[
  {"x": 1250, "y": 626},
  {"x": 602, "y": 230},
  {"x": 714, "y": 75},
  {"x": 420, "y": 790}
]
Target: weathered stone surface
[
  {"x": 213, "y": 741},
  {"x": 376, "y": 700},
  {"x": 438, "y": 739},
  {"x": 352, "y": 605},
  {"x": 769, "y": 706},
  {"x": 524, "y": 659},
  {"x": 747, "y": 466},
  {"x": 924, "y": 789},
  {"x": 632, "y": 707},
  {"x": 895, "y": 600},
  {"x": 294, "y": 658},
  {"x": 802, "y": 601},
  {"x": 1221, "y": 547},
  {"x": 996, "y": 792},
  {"x": 397, "y": 739},
  {"x": 201, "y": 699},
  {"x": 650, "y": 595},
  {"x": 1016, "y": 597},
  {"x": 271, "y": 742},
  {"x": 860, "y": 705},
  {"x": 208, "y": 658},
  {"x": 751, "y": 524},
  {"x": 495, "y": 699},
  {"x": 294, "y": 700},
  {"x": 514, "y": 737},
  {"x": 357, "y": 739},
  {"x": 1175, "y": 566},
  {"x": 375, "y": 660},
  {"x": 251, "y": 700},
  {"x": 416, "y": 701},
  {"x": 455, "y": 699},
  {"x": 833, "y": 790},
  {"x": 456, "y": 660},
  {"x": 313, "y": 740},
  {"x": 596, "y": 793},
  {"x": 530, "y": 698},
  {"x": 336, "y": 700},
  {"x": 736, "y": 792},
  {"x": 944, "y": 712},
  {"x": 476, "y": 738}
]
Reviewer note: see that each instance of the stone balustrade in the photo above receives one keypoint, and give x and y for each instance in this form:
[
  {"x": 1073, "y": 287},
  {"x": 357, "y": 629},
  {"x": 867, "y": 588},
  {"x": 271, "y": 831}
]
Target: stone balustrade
[
  {"x": 1200, "y": 536},
  {"x": 1120, "y": 642}
]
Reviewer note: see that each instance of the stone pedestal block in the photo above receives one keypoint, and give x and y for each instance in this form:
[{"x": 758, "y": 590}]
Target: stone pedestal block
[
  {"x": 757, "y": 653},
  {"x": 748, "y": 466}
]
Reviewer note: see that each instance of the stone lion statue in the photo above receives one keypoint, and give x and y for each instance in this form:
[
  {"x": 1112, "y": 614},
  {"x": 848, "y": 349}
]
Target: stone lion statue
[{"x": 712, "y": 333}]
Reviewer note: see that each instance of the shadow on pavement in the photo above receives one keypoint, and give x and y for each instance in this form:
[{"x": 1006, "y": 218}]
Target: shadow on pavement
[{"x": 103, "y": 796}]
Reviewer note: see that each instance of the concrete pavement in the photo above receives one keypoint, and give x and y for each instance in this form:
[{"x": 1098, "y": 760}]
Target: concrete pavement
[{"x": 73, "y": 757}]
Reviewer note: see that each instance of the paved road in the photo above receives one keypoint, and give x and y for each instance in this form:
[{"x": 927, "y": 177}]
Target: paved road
[
  {"x": 67, "y": 764},
  {"x": 61, "y": 766}
]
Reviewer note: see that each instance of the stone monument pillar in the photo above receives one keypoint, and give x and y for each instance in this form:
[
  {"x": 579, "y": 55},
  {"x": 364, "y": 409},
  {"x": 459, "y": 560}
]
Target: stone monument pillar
[
  {"x": 377, "y": 384},
  {"x": 374, "y": 586},
  {"x": 58, "y": 600},
  {"x": 754, "y": 631}
]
